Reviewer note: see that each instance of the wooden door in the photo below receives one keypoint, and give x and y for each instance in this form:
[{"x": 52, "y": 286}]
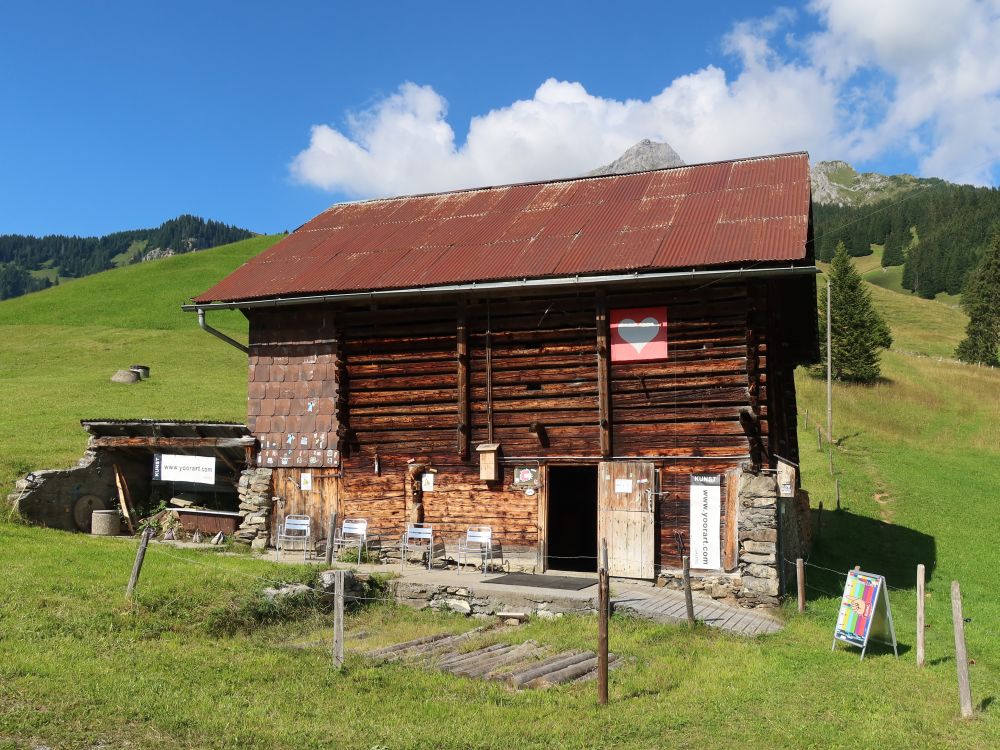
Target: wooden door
[{"x": 625, "y": 504}]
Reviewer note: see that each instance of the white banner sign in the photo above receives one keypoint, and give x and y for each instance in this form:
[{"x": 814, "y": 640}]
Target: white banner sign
[
  {"x": 706, "y": 519},
  {"x": 168, "y": 468}
]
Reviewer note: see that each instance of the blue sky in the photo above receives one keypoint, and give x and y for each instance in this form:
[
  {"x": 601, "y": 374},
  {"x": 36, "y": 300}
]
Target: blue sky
[{"x": 118, "y": 115}]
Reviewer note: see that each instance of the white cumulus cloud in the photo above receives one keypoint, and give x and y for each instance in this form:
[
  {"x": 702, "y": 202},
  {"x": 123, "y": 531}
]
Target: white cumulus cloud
[{"x": 916, "y": 77}]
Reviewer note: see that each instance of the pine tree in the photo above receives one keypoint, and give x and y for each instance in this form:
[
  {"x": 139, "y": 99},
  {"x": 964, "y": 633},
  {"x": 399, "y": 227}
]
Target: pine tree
[
  {"x": 857, "y": 330},
  {"x": 981, "y": 300},
  {"x": 892, "y": 252}
]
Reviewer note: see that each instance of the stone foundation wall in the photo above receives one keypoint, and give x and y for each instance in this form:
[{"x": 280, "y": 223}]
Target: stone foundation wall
[
  {"x": 756, "y": 581},
  {"x": 255, "y": 507}
]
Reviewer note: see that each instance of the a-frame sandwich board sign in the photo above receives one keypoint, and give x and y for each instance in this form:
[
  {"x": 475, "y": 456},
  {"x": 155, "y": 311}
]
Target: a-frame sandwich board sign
[{"x": 865, "y": 613}]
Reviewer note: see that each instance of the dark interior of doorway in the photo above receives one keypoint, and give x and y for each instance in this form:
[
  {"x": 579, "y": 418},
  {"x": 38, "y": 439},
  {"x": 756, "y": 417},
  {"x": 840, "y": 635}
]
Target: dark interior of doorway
[{"x": 572, "y": 518}]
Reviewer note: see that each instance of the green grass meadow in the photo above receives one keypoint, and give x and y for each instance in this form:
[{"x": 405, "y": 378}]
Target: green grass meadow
[
  {"x": 60, "y": 347},
  {"x": 200, "y": 660}
]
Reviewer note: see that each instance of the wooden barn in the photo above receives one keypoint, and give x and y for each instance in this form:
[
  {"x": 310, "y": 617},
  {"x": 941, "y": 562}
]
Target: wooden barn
[{"x": 562, "y": 361}]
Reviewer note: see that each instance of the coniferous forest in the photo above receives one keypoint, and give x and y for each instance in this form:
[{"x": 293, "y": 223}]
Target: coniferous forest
[
  {"x": 66, "y": 256},
  {"x": 938, "y": 233}
]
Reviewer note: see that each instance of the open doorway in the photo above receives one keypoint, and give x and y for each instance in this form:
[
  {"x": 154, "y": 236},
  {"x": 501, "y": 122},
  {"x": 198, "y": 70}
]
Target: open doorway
[{"x": 571, "y": 536}]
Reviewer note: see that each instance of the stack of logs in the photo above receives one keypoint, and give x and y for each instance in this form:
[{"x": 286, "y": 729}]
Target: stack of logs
[
  {"x": 255, "y": 507},
  {"x": 526, "y": 665}
]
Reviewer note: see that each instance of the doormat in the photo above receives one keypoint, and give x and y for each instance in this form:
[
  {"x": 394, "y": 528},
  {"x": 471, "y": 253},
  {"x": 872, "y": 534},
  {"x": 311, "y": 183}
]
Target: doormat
[{"x": 566, "y": 583}]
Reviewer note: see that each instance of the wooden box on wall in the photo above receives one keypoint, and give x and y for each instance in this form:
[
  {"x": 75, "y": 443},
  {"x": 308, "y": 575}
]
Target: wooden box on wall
[{"x": 489, "y": 462}]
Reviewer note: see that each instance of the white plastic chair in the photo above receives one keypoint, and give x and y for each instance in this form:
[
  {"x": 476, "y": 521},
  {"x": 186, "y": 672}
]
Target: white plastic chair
[
  {"x": 295, "y": 528},
  {"x": 478, "y": 540},
  {"x": 417, "y": 536},
  {"x": 354, "y": 531}
]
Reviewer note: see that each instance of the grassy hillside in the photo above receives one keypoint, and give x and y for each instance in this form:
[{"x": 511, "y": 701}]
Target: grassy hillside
[
  {"x": 59, "y": 347},
  {"x": 918, "y": 459},
  {"x": 201, "y": 661}
]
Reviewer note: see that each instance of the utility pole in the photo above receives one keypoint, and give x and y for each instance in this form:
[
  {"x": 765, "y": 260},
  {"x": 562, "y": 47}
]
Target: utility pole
[{"x": 829, "y": 369}]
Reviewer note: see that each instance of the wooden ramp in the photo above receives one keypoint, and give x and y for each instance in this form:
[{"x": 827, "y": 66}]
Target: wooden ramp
[
  {"x": 522, "y": 666},
  {"x": 667, "y": 605}
]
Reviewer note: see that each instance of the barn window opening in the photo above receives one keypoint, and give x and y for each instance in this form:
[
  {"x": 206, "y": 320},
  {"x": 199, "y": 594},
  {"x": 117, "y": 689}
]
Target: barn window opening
[{"x": 571, "y": 539}]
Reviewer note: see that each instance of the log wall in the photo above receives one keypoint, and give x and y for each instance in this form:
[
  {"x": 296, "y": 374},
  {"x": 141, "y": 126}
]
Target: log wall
[{"x": 403, "y": 386}]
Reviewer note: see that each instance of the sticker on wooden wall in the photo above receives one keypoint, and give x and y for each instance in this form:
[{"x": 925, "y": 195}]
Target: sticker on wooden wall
[{"x": 638, "y": 334}]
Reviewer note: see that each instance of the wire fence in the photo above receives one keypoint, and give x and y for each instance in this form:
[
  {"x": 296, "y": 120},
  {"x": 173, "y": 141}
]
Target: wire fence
[{"x": 839, "y": 573}]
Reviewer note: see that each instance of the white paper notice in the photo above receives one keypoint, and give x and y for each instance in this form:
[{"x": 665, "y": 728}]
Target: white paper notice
[
  {"x": 427, "y": 482},
  {"x": 305, "y": 481},
  {"x": 623, "y": 485},
  {"x": 706, "y": 518}
]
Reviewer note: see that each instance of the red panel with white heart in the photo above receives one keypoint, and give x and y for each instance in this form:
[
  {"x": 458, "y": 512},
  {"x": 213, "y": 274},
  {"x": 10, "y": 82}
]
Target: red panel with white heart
[{"x": 638, "y": 334}]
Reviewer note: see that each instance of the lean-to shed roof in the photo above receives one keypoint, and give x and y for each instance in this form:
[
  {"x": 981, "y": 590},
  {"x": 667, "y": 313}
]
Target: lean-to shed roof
[{"x": 742, "y": 212}]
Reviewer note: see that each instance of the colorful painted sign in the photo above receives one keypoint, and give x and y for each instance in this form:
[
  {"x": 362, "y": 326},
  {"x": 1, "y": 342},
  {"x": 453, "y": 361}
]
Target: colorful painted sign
[
  {"x": 638, "y": 334},
  {"x": 857, "y": 608},
  {"x": 705, "y": 539},
  {"x": 864, "y": 612}
]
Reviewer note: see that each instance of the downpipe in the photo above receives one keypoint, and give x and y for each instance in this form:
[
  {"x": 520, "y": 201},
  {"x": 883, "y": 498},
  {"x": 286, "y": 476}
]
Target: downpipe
[{"x": 219, "y": 334}]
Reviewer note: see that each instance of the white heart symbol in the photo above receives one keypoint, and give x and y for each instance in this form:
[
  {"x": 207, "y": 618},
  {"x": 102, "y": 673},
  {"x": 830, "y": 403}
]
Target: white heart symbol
[{"x": 639, "y": 334}]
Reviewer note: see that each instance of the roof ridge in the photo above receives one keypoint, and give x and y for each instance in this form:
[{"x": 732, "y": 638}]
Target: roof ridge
[{"x": 556, "y": 180}]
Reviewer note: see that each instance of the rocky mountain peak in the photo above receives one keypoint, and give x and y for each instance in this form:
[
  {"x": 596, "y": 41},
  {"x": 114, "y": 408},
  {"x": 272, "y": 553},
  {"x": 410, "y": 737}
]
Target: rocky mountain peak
[{"x": 644, "y": 155}]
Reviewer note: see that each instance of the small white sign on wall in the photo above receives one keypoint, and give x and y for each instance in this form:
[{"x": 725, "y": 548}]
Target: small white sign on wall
[
  {"x": 171, "y": 468},
  {"x": 623, "y": 486},
  {"x": 706, "y": 521},
  {"x": 306, "y": 481},
  {"x": 427, "y": 482}
]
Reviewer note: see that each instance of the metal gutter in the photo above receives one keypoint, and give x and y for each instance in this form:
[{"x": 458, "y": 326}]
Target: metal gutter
[
  {"x": 487, "y": 286},
  {"x": 219, "y": 334}
]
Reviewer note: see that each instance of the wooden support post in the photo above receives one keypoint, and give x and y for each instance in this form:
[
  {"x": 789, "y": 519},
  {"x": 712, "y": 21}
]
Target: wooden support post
[
  {"x": 837, "y": 483},
  {"x": 603, "y": 345},
  {"x": 140, "y": 555},
  {"x": 800, "y": 581},
  {"x": 603, "y": 605},
  {"x": 829, "y": 365},
  {"x": 961, "y": 656},
  {"x": 819, "y": 521},
  {"x": 831, "y": 459},
  {"x": 688, "y": 600},
  {"x": 819, "y": 438},
  {"x": 920, "y": 615},
  {"x": 338, "y": 620},
  {"x": 331, "y": 532},
  {"x": 462, "y": 356},
  {"x": 124, "y": 498}
]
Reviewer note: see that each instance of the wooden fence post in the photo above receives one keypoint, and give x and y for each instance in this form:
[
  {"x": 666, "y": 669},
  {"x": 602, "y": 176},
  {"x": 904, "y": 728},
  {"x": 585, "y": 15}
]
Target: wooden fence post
[
  {"x": 338, "y": 620},
  {"x": 800, "y": 580},
  {"x": 819, "y": 438},
  {"x": 961, "y": 656},
  {"x": 920, "y": 615},
  {"x": 837, "y": 482},
  {"x": 688, "y": 600},
  {"x": 819, "y": 521},
  {"x": 602, "y": 626},
  {"x": 331, "y": 530},
  {"x": 140, "y": 555}
]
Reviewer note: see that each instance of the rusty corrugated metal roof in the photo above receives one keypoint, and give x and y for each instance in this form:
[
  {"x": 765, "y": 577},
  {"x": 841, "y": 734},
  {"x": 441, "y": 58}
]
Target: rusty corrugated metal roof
[{"x": 742, "y": 211}]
